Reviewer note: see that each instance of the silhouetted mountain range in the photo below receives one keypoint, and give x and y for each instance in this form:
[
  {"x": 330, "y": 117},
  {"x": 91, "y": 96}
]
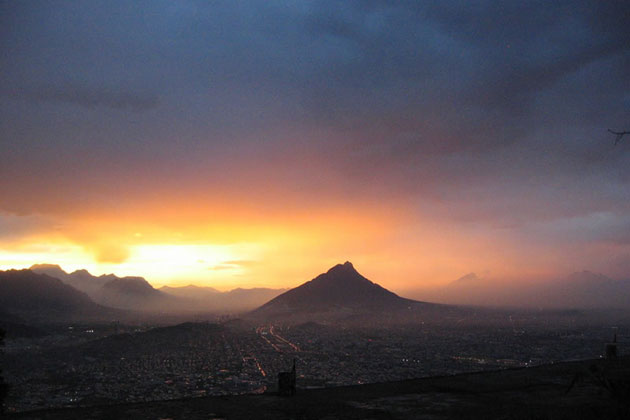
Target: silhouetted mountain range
[
  {"x": 340, "y": 293},
  {"x": 39, "y": 296},
  {"x": 80, "y": 279},
  {"x": 135, "y": 293}
]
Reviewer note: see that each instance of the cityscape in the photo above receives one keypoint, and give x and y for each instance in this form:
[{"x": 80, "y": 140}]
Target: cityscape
[{"x": 88, "y": 365}]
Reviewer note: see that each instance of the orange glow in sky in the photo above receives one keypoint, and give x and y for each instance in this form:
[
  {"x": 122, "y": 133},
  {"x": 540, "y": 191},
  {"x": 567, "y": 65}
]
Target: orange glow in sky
[
  {"x": 245, "y": 249},
  {"x": 234, "y": 146}
]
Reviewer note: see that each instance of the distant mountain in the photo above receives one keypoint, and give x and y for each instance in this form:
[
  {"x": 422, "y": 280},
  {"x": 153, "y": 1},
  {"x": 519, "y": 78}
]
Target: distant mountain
[
  {"x": 247, "y": 299},
  {"x": 472, "y": 289},
  {"x": 190, "y": 291},
  {"x": 581, "y": 290},
  {"x": 86, "y": 282},
  {"x": 80, "y": 279},
  {"x": 52, "y": 270},
  {"x": 135, "y": 293},
  {"x": 39, "y": 296},
  {"x": 342, "y": 293},
  {"x": 236, "y": 300},
  {"x": 588, "y": 290}
]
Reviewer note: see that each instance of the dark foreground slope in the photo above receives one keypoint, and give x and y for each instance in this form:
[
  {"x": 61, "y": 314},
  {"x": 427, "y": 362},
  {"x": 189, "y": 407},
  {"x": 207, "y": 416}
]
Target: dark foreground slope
[{"x": 590, "y": 389}]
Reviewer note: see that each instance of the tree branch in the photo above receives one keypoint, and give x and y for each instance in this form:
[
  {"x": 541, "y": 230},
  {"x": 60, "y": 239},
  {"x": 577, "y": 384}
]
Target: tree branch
[{"x": 619, "y": 135}]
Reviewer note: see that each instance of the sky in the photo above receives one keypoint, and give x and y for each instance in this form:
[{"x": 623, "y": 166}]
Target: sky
[{"x": 254, "y": 143}]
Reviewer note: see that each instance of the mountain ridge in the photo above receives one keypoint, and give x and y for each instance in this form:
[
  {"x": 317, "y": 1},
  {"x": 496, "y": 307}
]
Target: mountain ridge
[
  {"x": 40, "y": 296},
  {"x": 136, "y": 293}
]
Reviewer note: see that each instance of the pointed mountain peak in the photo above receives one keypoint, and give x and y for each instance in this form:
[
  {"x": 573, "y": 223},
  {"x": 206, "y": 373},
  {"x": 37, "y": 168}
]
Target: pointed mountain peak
[
  {"x": 346, "y": 267},
  {"x": 340, "y": 287},
  {"x": 468, "y": 279}
]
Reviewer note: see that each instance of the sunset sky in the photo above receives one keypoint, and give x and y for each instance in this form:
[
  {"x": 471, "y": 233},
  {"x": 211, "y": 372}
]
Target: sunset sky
[{"x": 254, "y": 143}]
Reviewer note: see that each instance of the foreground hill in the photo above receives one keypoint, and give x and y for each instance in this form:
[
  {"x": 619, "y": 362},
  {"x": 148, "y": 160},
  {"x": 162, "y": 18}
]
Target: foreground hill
[
  {"x": 591, "y": 389},
  {"x": 343, "y": 294}
]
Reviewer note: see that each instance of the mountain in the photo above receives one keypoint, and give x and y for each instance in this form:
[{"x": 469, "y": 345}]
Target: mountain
[
  {"x": 236, "y": 300},
  {"x": 343, "y": 294},
  {"x": 247, "y": 299},
  {"x": 341, "y": 286},
  {"x": 86, "y": 282},
  {"x": 580, "y": 290},
  {"x": 52, "y": 270},
  {"x": 39, "y": 296},
  {"x": 136, "y": 293},
  {"x": 472, "y": 289},
  {"x": 190, "y": 291},
  {"x": 589, "y": 290},
  {"x": 80, "y": 279},
  {"x": 133, "y": 293}
]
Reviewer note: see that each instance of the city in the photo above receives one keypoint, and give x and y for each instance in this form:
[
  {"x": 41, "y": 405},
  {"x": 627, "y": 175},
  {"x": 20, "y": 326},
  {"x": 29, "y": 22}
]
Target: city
[{"x": 75, "y": 368}]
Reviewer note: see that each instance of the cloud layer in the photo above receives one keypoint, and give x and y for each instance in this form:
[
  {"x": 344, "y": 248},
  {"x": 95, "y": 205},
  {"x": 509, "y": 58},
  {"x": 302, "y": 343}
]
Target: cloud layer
[{"x": 485, "y": 120}]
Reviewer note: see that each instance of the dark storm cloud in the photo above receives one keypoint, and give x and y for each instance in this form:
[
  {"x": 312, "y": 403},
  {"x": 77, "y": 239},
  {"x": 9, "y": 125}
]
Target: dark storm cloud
[{"x": 484, "y": 112}]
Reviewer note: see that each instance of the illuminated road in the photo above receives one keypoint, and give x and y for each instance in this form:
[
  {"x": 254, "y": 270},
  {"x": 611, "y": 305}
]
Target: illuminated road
[
  {"x": 275, "y": 340},
  {"x": 279, "y": 337},
  {"x": 262, "y": 332}
]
